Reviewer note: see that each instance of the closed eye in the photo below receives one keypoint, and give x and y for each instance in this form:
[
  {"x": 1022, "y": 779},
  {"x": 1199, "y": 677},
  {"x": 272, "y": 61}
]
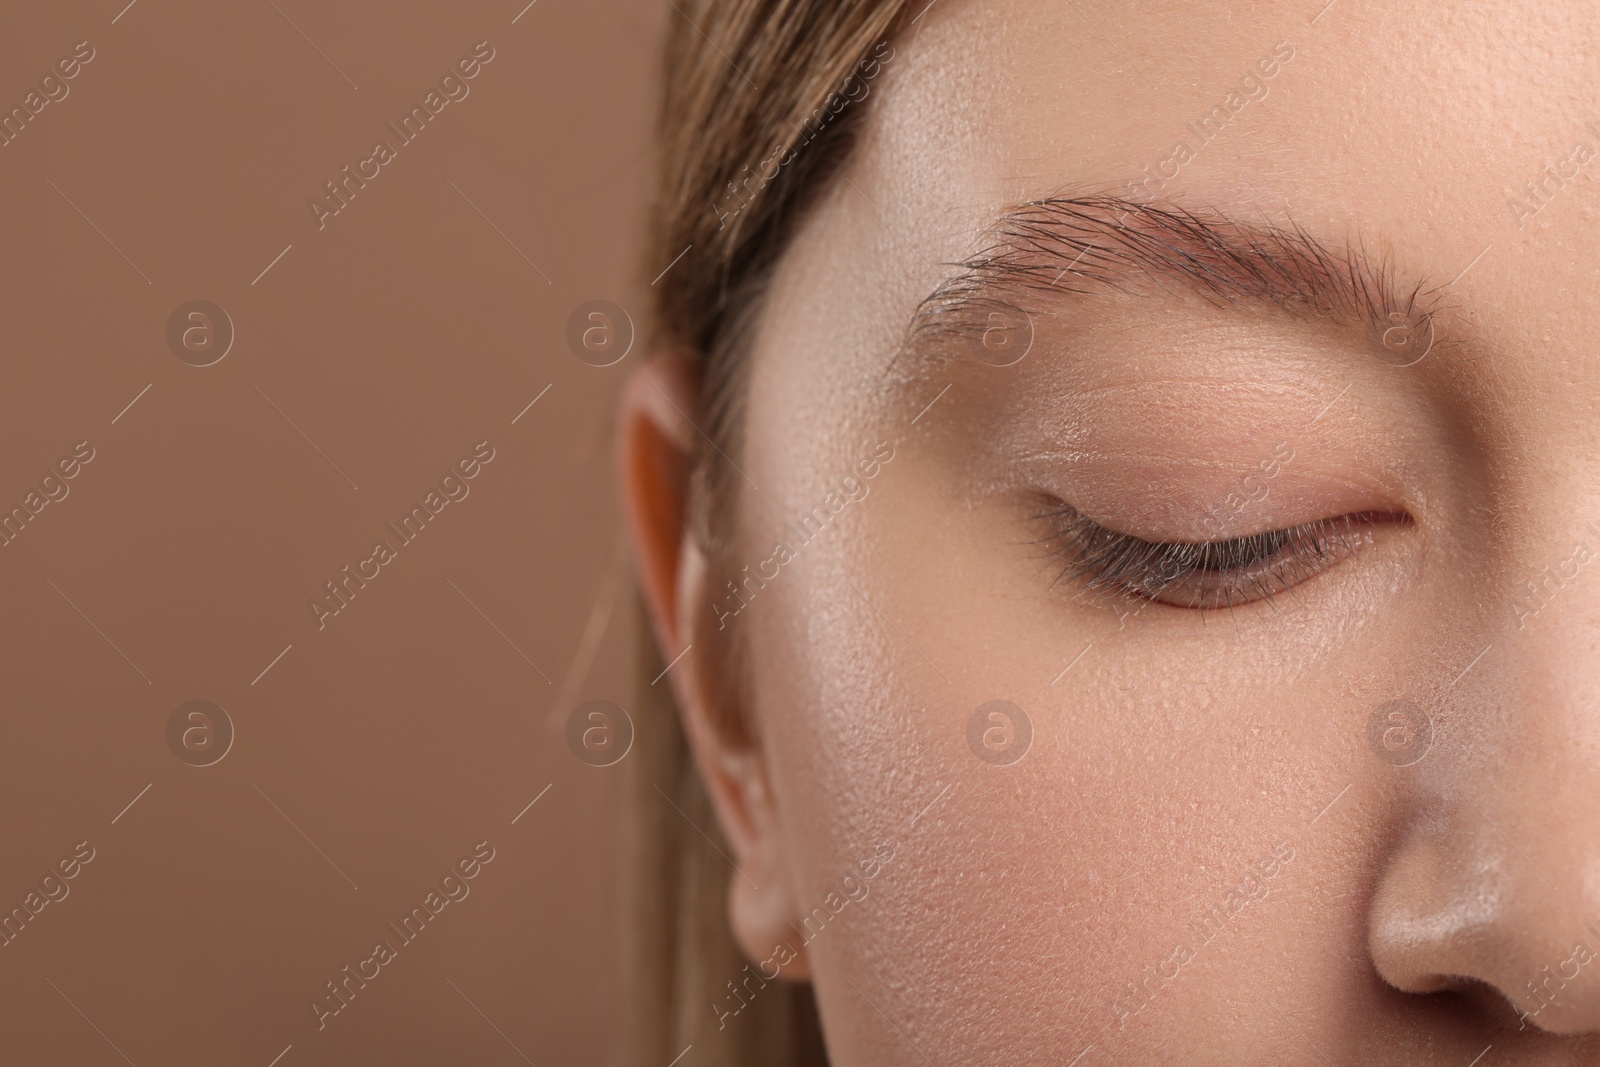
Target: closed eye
[{"x": 1204, "y": 575}]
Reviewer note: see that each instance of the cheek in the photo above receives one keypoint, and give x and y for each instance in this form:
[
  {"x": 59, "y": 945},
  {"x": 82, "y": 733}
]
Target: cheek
[
  {"x": 876, "y": 649},
  {"x": 1135, "y": 802}
]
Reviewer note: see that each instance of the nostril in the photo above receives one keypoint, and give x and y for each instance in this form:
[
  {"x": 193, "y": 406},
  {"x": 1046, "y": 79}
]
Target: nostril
[
  {"x": 1469, "y": 936},
  {"x": 1457, "y": 1004},
  {"x": 1557, "y": 997},
  {"x": 1485, "y": 999}
]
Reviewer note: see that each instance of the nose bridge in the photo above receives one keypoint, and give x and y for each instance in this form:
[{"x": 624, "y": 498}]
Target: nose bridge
[
  {"x": 1546, "y": 681},
  {"x": 1498, "y": 879},
  {"x": 1535, "y": 710},
  {"x": 1557, "y": 580}
]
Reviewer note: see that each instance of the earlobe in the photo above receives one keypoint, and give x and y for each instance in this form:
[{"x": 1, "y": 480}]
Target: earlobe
[
  {"x": 762, "y": 910},
  {"x": 657, "y": 448}
]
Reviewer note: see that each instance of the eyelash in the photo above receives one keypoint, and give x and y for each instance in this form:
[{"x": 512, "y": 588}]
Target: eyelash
[{"x": 1203, "y": 575}]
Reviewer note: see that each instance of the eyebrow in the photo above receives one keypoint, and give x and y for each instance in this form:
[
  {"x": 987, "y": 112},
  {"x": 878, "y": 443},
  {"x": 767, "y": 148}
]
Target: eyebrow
[{"x": 1098, "y": 245}]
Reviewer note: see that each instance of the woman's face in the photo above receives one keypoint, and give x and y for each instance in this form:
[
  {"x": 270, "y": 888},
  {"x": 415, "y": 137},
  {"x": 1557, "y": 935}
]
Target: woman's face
[{"x": 1287, "y": 572}]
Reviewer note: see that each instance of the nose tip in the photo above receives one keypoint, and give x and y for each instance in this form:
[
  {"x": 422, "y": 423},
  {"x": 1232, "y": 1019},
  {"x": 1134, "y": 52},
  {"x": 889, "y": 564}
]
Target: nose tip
[{"x": 1465, "y": 907}]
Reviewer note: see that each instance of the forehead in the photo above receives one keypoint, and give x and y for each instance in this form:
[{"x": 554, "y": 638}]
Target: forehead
[{"x": 1334, "y": 98}]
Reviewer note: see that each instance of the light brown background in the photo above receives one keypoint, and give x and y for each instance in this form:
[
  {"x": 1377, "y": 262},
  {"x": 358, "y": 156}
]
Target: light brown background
[{"x": 395, "y": 338}]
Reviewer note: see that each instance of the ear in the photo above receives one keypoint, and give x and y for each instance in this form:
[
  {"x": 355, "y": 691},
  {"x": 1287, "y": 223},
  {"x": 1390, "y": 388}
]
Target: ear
[{"x": 657, "y": 447}]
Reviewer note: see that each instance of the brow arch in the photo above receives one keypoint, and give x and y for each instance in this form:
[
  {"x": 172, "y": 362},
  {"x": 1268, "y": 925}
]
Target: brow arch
[{"x": 1096, "y": 245}]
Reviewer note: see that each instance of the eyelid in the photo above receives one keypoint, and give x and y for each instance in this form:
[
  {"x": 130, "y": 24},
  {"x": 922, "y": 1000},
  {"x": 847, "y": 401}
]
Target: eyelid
[{"x": 1204, "y": 575}]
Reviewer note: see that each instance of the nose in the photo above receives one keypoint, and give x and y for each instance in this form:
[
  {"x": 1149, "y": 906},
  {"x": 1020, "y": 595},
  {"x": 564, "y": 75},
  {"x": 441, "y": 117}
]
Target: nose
[{"x": 1493, "y": 878}]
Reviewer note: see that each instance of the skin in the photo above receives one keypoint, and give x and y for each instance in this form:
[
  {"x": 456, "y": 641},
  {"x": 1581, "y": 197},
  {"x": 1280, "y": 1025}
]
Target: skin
[{"x": 1183, "y": 754}]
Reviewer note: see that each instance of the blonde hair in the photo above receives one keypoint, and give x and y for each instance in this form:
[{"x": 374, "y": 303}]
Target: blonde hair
[{"x": 774, "y": 87}]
